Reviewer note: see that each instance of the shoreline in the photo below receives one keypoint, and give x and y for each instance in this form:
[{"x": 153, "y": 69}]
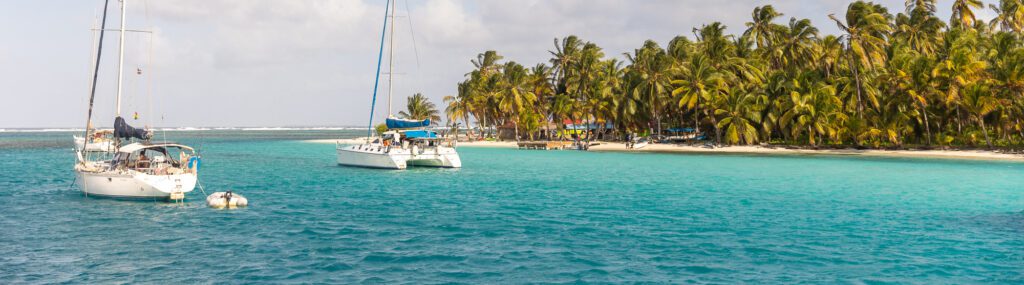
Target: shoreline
[
  {"x": 671, "y": 148},
  {"x": 940, "y": 154}
]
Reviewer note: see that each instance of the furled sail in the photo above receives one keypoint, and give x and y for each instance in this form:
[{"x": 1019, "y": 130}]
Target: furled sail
[
  {"x": 125, "y": 131},
  {"x": 394, "y": 123}
]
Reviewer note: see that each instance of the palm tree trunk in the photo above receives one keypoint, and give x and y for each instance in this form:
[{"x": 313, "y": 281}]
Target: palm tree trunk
[
  {"x": 860, "y": 87},
  {"x": 959, "y": 124},
  {"x": 696, "y": 121},
  {"x": 515, "y": 124},
  {"x": 927, "y": 128},
  {"x": 1019, "y": 129},
  {"x": 481, "y": 120},
  {"x": 718, "y": 131},
  {"x": 810, "y": 136},
  {"x": 981, "y": 120},
  {"x": 587, "y": 130},
  {"x": 547, "y": 129},
  {"x": 469, "y": 128}
]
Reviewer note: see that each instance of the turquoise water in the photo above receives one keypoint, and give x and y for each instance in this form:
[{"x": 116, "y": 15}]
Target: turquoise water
[{"x": 517, "y": 216}]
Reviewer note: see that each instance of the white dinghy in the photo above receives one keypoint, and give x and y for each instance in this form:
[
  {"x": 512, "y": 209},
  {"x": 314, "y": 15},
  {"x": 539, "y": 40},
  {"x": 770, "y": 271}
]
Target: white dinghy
[{"x": 229, "y": 200}]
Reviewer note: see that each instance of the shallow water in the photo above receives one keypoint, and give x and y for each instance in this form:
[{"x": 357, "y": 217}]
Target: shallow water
[{"x": 514, "y": 216}]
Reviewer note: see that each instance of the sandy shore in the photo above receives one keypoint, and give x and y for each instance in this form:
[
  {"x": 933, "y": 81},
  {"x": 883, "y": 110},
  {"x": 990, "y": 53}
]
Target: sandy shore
[
  {"x": 951, "y": 154},
  {"x": 670, "y": 148}
]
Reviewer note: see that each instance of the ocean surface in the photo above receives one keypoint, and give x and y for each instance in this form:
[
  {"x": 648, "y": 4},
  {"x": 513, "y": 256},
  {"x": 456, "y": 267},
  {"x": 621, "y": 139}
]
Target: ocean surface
[{"x": 513, "y": 216}]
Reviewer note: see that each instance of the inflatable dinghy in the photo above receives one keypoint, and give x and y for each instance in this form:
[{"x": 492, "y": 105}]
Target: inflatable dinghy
[{"x": 227, "y": 199}]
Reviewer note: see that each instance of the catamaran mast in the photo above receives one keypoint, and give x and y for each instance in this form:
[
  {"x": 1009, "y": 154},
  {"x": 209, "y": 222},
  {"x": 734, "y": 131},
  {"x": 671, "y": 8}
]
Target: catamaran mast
[
  {"x": 376, "y": 77},
  {"x": 120, "y": 54},
  {"x": 391, "y": 56}
]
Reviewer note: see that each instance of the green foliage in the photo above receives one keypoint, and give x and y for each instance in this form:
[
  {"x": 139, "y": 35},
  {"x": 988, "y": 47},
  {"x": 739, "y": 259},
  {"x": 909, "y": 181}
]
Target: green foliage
[
  {"x": 887, "y": 80},
  {"x": 418, "y": 107}
]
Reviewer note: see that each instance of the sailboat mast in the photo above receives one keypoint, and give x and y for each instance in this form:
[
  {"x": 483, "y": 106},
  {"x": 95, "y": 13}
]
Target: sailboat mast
[
  {"x": 391, "y": 56},
  {"x": 120, "y": 54},
  {"x": 95, "y": 75}
]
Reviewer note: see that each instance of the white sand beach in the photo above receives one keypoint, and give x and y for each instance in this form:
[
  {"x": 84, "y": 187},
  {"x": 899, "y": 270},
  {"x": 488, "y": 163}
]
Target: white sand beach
[{"x": 950, "y": 154}]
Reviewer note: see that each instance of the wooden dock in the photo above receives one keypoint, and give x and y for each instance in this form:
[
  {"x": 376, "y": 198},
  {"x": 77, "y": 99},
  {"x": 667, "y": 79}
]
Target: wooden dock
[{"x": 544, "y": 145}]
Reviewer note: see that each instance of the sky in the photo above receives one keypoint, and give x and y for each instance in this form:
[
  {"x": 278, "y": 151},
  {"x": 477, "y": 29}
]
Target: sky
[{"x": 276, "y": 63}]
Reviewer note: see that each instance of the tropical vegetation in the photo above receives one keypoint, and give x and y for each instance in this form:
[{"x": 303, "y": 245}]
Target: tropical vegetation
[
  {"x": 889, "y": 79},
  {"x": 418, "y": 107}
]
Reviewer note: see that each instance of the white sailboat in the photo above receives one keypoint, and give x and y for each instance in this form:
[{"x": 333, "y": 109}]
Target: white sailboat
[
  {"x": 408, "y": 142},
  {"x": 100, "y": 141},
  {"x": 129, "y": 165}
]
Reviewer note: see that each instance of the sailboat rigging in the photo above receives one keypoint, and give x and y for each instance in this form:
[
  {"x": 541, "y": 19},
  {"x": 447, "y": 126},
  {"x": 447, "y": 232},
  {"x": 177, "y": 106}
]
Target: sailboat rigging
[
  {"x": 124, "y": 163},
  {"x": 407, "y": 141}
]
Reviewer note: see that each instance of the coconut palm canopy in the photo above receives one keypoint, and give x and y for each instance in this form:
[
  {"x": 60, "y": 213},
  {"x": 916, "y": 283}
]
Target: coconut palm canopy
[
  {"x": 889, "y": 79},
  {"x": 418, "y": 107}
]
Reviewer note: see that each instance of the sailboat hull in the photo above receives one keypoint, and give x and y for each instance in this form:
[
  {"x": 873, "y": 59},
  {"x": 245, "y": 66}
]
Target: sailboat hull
[{"x": 135, "y": 185}]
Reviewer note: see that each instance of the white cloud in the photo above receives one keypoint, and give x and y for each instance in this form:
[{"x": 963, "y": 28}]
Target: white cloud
[{"x": 311, "y": 62}]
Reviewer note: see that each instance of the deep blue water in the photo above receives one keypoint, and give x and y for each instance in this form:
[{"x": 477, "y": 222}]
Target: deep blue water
[{"x": 514, "y": 216}]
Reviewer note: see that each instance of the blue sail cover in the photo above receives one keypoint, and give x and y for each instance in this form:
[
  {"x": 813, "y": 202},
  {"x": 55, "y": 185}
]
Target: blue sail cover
[
  {"x": 406, "y": 124},
  {"x": 420, "y": 134}
]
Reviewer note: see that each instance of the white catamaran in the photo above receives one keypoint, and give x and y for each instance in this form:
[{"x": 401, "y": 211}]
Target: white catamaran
[
  {"x": 124, "y": 163},
  {"x": 408, "y": 142}
]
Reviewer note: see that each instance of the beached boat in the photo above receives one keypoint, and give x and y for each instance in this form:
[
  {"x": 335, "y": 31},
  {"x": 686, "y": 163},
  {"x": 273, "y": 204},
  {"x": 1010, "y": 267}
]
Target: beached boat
[
  {"x": 641, "y": 143},
  {"x": 129, "y": 165},
  {"x": 408, "y": 142}
]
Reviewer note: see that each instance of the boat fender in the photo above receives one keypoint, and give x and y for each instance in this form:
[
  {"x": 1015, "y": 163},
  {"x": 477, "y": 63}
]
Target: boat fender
[{"x": 193, "y": 163}]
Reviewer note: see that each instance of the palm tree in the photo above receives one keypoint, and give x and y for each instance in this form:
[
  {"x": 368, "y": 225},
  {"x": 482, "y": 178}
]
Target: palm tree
[
  {"x": 588, "y": 69},
  {"x": 650, "y": 65},
  {"x": 515, "y": 94},
  {"x": 418, "y": 107},
  {"x": 922, "y": 5},
  {"x": 564, "y": 62},
  {"x": 539, "y": 82},
  {"x": 1009, "y": 15},
  {"x": 911, "y": 73},
  {"x": 978, "y": 102},
  {"x": 487, "y": 62},
  {"x": 963, "y": 16},
  {"x": 761, "y": 29},
  {"x": 796, "y": 43},
  {"x": 740, "y": 114},
  {"x": 957, "y": 70},
  {"x": 812, "y": 104},
  {"x": 456, "y": 109},
  {"x": 865, "y": 31},
  {"x": 694, "y": 84},
  {"x": 920, "y": 29}
]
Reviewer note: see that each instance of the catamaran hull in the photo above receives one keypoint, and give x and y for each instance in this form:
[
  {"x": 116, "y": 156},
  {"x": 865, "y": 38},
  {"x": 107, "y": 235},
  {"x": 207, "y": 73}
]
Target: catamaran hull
[
  {"x": 135, "y": 185},
  {"x": 350, "y": 156},
  {"x": 374, "y": 157},
  {"x": 445, "y": 160}
]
